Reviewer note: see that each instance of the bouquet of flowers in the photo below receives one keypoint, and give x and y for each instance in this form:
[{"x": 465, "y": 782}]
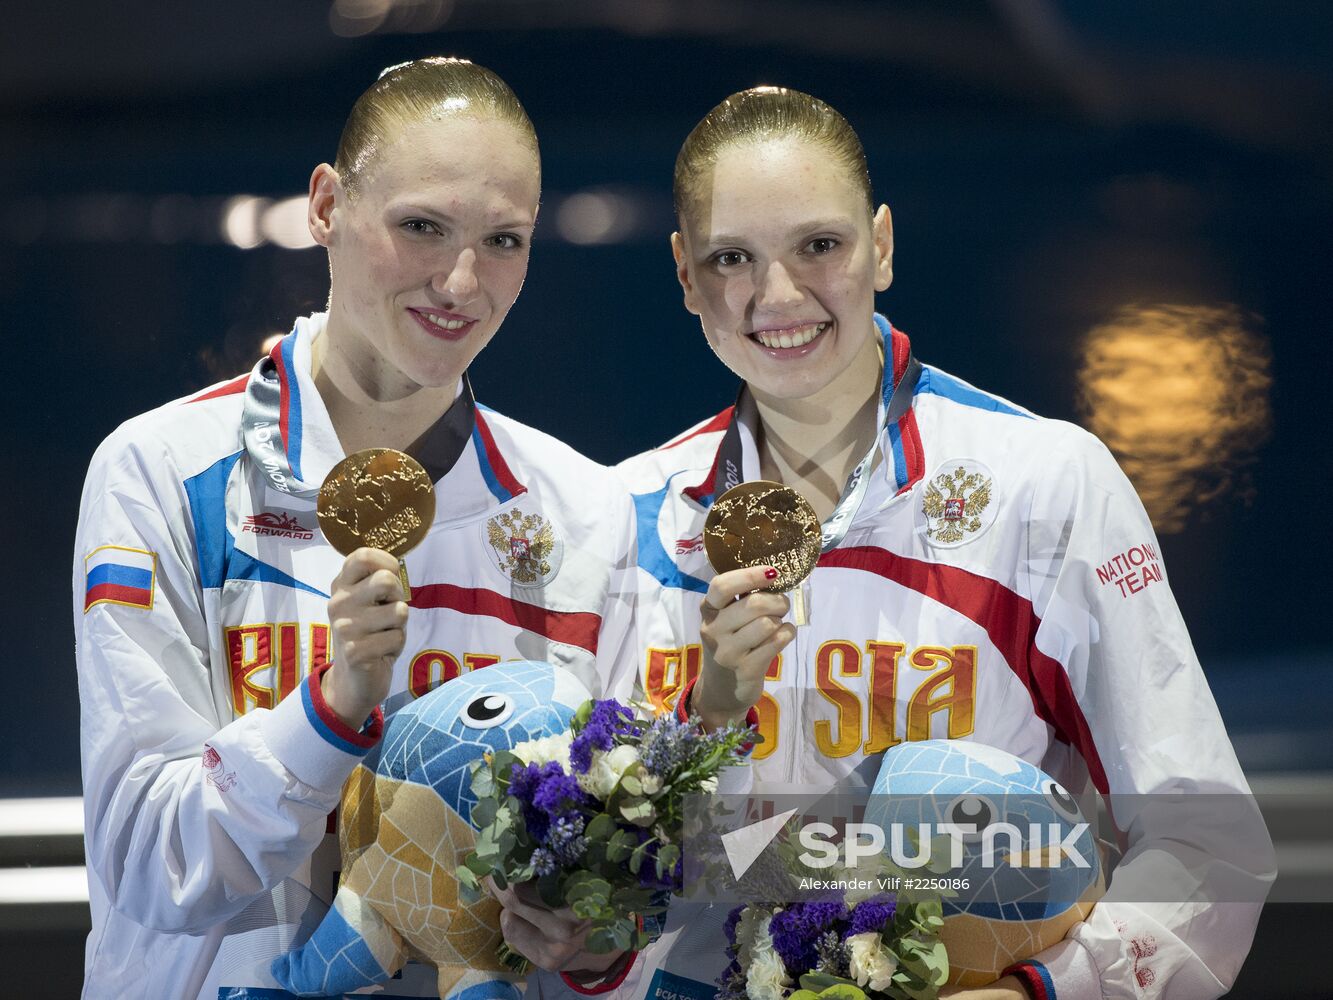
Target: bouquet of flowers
[
  {"x": 841, "y": 948},
  {"x": 594, "y": 816}
]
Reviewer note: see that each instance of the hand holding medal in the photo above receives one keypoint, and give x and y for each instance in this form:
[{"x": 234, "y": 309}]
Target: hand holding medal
[
  {"x": 379, "y": 498},
  {"x": 765, "y": 524}
]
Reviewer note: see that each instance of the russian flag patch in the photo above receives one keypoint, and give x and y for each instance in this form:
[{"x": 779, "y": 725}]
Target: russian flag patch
[{"x": 119, "y": 575}]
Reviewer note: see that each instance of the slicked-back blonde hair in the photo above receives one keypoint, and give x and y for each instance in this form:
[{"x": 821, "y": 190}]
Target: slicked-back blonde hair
[
  {"x": 758, "y": 114},
  {"x": 424, "y": 89}
]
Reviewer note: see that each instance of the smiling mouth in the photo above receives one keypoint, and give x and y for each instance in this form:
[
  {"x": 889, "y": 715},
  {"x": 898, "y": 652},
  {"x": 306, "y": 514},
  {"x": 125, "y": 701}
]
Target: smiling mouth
[
  {"x": 449, "y": 327},
  {"x": 797, "y": 336}
]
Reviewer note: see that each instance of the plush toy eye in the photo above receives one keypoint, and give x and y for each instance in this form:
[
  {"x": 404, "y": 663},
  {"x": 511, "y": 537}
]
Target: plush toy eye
[
  {"x": 1062, "y": 802},
  {"x": 487, "y": 711},
  {"x": 971, "y": 810}
]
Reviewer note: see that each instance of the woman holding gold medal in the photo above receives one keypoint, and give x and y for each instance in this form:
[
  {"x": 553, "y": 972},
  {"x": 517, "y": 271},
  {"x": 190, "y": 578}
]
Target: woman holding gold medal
[
  {"x": 232, "y": 664},
  {"x": 956, "y": 593}
]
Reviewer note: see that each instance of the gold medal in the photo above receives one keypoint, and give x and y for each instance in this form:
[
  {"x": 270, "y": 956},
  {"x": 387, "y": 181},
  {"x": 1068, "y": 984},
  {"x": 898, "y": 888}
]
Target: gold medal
[
  {"x": 765, "y": 524},
  {"x": 380, "y": 498}
]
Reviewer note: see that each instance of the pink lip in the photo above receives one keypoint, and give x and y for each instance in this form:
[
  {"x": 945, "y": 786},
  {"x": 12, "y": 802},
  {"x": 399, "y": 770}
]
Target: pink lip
[
  {"x": 440, "y": 332},
  {"x": 788, "y": 353}
]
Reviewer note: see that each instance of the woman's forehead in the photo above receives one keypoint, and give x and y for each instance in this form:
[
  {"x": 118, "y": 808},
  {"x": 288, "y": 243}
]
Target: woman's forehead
[
  {"x": 775, "y": 182},
  {"x": 456, "y": 147}
]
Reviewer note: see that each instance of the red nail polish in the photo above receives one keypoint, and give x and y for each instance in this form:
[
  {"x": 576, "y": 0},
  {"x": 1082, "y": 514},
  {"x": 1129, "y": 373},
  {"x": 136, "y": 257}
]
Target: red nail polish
[{"x": 770, "y": 574}]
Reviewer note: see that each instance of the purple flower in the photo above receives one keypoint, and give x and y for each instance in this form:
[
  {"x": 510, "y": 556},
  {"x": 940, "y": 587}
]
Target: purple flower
[
  {"x": 543, "y": 861},
  {"x": 608, "y": 719},
  {"x": 796, "y": 932},
  {"x": 525, "y": 785},
  {"x": 565, "y": 839},
  {"x": 667, "y": 745},
  {"x": 558, "y": 792},
  {"x": 871, "y": 914}
]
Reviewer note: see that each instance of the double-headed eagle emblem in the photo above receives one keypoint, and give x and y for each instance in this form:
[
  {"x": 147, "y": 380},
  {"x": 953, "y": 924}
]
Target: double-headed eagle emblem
[
  {"x": 525, "y": 545},
  {"x": 953, "y": 505}
]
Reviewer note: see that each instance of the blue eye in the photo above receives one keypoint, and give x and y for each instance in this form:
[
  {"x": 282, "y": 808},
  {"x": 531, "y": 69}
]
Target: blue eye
[{"x": 419, "y": 226}]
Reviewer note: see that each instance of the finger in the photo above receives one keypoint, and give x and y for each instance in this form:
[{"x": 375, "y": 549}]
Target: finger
[
  {"x": 765, "y": 652},
  {"x": 726, "y": 587},
  {"x": 535, "y": 942},
  {"x": 362, "y": 563},
  {"x": 368, "y": 619},
  {"x": 380, "y": 587},
  {"x": 740, "y": 613},
  {"x": 755, "y": 633},
  {"x": 372, "y": 648},
  {"x": 557, "y": 925}
]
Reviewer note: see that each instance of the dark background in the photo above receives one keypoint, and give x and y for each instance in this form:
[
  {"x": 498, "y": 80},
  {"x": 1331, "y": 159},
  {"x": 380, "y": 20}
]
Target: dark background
[{"x": 1046, "y": 163}]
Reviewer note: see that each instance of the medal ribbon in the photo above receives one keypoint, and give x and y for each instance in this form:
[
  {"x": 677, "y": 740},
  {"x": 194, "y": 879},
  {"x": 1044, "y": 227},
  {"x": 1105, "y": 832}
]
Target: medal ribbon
[
  {"x": 834, "y": 530},
  {"x": 261, "y": 417}
]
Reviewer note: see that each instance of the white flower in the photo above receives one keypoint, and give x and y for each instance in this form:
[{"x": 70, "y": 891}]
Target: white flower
[
  {"x": 870, "y": 964},
  {"x": 622, "y": 757},
  {"x": 547, "y": 749},
  {"x": 606, "y": 768},
  {"x": 765, "y": 976},
  {"x": 709, "y": 784}
]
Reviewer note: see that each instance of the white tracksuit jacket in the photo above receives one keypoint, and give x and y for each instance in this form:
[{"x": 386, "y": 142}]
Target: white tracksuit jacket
[
  {"x": 210, "y": 764},
  {"x": 1000, "y": 583}
]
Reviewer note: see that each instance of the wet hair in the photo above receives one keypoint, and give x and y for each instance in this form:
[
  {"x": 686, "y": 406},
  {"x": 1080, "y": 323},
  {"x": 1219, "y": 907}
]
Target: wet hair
[
  {"x": 430, "y": 88},
  {"x": 758, "y": 114}
]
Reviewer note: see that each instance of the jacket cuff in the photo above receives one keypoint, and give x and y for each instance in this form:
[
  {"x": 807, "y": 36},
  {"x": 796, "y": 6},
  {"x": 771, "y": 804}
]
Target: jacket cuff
[
  {"x": 1064, "y": 971},
  {"x": 683, "y": 711},
  {"x": 325, "y": 762},
  {"x": 612, "y": 978}
]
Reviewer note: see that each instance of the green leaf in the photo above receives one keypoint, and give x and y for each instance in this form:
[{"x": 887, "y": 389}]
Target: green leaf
[
  {"x": 600, "y": 827},
  {"x": 604, "y": 939},
  {"x": 667, "y": 857},
  {"x": 640, "y": 812},
  {"x": 620, "y": 845},
  {"x": 588, "y": 887},
  {"x": 483, "y": 813},
  {"x": 586, "y": 907},
  {"x": 632, "y": 785},
  {"x": 582, "y": 715},
  {"x": 469, "y": 888}
]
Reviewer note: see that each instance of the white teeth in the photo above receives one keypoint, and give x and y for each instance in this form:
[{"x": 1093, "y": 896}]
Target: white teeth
[
  {"x": 798, "y": 337},
  {"x": 445, "y": 324}
]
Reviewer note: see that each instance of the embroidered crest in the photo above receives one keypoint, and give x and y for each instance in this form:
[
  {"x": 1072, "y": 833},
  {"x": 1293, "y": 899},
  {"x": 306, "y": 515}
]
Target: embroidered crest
[
  {"x": 526, "y": 547},
  {"x": 957, "y": 503}
]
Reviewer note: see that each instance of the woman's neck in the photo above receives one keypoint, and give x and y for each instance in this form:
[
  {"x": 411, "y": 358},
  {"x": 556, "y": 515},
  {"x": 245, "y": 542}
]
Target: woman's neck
[
  {"x": 370, "y": 406},
  {"x": 813, "y": 443}
]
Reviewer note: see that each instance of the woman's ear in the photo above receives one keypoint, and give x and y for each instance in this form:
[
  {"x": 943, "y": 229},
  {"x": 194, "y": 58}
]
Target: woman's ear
[
  {"x": 325, "y": 189},
  {"x": 883, "y": 231},
  {"x": 683, "y": 271}
]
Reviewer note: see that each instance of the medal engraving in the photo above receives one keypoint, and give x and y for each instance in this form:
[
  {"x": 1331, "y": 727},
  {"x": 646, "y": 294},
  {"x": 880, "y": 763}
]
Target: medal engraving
[
  {"x": 379, "y": 498},
  {"x": 763, "y": 524}
]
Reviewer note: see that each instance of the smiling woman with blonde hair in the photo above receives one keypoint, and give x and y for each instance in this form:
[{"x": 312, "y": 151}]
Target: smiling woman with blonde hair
[
  {"x": 232, "y": 664},
  {"x": 985, "y": 574}
]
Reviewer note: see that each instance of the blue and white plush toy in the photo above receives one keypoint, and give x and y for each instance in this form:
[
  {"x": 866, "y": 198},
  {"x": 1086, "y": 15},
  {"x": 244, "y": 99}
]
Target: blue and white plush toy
[
  {"x": 1022, "y": 894},
  {"x": 405, "y": 827}
]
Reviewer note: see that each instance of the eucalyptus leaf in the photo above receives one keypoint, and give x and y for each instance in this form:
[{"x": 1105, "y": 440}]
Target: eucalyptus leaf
[{"x": 600, "y": 827}]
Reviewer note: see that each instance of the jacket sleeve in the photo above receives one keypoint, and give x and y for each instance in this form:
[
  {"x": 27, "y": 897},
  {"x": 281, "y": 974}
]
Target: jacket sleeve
[
  {"x": 1179, "y": 915},
  {"x": 189, "y": 814}
]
